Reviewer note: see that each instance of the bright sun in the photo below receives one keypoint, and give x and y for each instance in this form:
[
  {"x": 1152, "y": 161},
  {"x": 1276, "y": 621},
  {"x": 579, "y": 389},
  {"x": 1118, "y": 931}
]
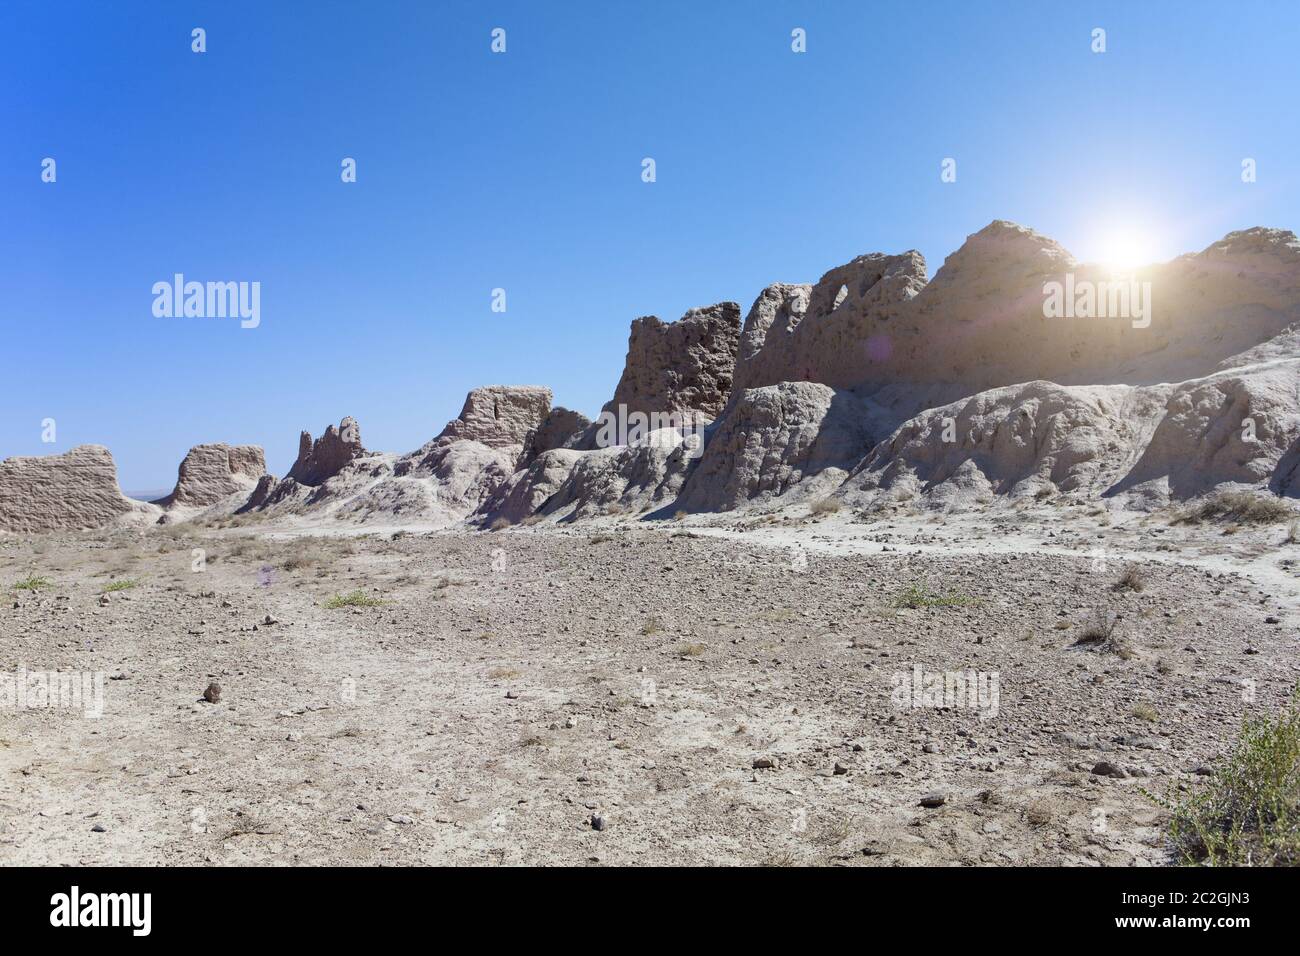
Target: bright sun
[{"x": 1124, "y": 250}]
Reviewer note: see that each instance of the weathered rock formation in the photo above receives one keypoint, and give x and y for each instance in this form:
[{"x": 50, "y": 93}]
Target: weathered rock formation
[
  {"x": 838, "y": 331},
  {"x": 870, "y": 384},
  {"x": 444, "y": 480},
  {"x": 74, "y": 491},
  {"x": 981, "y": 323},
  {"x": 325, "y": 457},
  {"x": 212, "y": 473},
  {"x": 1233, "y": 427},
  {"x": 623, "y": 480},
  {"x": 775, "y": 438},
  {"x": 561, "y": 428},
  {"x": 526, "y": 492},
  {"x": 684, "y": 366},
  {"x": 499, "y": 416},
  {"x": 1020, "y": 440}
]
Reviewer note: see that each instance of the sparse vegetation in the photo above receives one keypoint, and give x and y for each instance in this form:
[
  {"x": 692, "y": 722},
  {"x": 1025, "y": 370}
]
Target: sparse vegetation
[
  {"x": 652, "y": 626},
  {"x": 122, "y": 585},
  {"x": 357, "y": 598},
  {"x": 1132, "y": 579},
  {"x": 498, "y": 524},
  {"x": 692, "y": 650},
  {"x": 1249, "y": 813},
  {"x": 1293, "y": 532},
  {"x": 1144, "y": 711},
  {"x": 1239, "y": 507},
  {"x": 303, "y": 556},
  {"x": 919, "y": 596},
  {"x": 32, "y": 583},
  {"x": 1101, "y": 632},
  {"x": 824, "y": 506},
  {"x": 503, "y": 673}
]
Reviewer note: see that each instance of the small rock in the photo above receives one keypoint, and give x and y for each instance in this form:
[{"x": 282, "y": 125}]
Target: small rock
[
  {"x": 401, "y": 818},
  {"x": 1105, "y": 768},
  {"x": 840, "y": 769},
  {"x": 597, "y": 821},
  {"x": 99, "y": 828},
  {"x": 934, "y": 800},
  {"x": 213, "y": 693},
  {"x": 765, "y": 763},
  {"x": 512, "y": 695}
]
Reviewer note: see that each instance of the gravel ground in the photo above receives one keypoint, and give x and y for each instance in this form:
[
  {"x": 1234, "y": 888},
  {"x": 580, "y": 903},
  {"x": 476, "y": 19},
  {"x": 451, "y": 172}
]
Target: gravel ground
[{"x": 618, "y": 695}]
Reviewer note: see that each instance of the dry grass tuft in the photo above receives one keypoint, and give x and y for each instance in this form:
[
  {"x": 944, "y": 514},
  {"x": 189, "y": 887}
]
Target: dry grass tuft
[
  {"x": 1132, "y": 579},
  {"x": 1239, "y": 507}
]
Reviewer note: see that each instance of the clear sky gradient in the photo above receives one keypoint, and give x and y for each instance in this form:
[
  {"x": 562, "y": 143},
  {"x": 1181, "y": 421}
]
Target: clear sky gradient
[{"x": 523, "y": 171}]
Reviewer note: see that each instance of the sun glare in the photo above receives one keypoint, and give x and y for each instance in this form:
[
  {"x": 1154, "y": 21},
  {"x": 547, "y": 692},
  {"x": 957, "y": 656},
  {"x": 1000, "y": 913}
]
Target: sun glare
[{"x": 1124, "y": 250}]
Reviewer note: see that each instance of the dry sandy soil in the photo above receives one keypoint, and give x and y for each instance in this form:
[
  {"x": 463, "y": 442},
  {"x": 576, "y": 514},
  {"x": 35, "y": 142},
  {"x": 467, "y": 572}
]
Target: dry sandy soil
[{"x": 514, "y": 687}]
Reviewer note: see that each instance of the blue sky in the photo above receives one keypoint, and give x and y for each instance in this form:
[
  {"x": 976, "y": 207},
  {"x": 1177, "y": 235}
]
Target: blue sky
[{"x": 523, "y": 171}]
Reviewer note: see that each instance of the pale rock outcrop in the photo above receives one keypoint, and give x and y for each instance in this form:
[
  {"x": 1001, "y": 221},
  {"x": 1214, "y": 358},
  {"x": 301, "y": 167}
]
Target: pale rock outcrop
[
  {"x": 1019, "y": 440},
  {"x": 1143, "y": 445},
  {"x": 762, "y": 356},
  {"x": 561, "y": 428},
  {"x": 325, "y": 457},
  {"x": 214, "y": 472},
  {"x": 836, "y": 332},
  {"x": 444, "y": 480},
  {"x": 623, "y": 480},
  {"x": 438, "y": 484},
  {"x": 981, "y": 390},
  {"x": 499, "y": 416},
  {"x": 524, "y": 493},
  {"x": 1235, "y": 427},
  {"x": 680, "y": 367},
  {"x": 1197, "y": 310},
  {"x": 775, "y": 439},
  {"x": 983, "y": 322},
  {"x": 261, "y": 494},
  {"x": 566, "y": 484},
  {"x": 74, "y": 491},
  {"x": 286, "y": 496}
]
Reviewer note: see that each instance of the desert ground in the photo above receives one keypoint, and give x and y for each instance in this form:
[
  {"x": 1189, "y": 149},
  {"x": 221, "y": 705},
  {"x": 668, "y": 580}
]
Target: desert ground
[{"x": 706, "y": 690}]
